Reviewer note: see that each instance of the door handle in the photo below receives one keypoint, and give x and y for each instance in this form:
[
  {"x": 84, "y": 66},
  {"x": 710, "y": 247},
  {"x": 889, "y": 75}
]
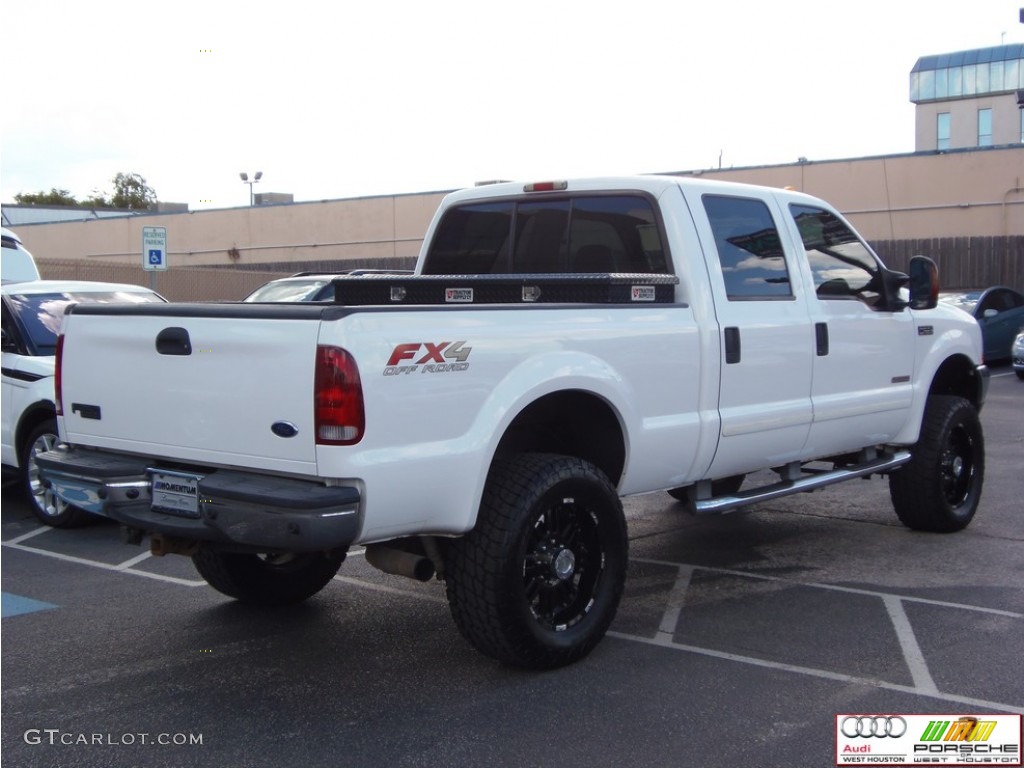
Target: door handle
[
  {"x": 173, "y": 341},
  {"x": 732, "y": 345},
  {"x": 821, "y": 338}
]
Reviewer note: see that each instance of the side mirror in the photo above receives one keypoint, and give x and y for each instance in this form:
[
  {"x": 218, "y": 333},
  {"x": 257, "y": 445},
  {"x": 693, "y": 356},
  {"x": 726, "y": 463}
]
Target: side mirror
[
  {"x": 924, "y": 283},
  {"x": 989, "y": 313}
]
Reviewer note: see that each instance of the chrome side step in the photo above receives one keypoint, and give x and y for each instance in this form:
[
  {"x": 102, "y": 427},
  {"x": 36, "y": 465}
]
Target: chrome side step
[{"x": 882, "y": 463}]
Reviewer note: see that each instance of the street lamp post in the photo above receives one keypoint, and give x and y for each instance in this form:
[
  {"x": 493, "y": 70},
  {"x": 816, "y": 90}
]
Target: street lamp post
[{"x": 245, "y": 180}]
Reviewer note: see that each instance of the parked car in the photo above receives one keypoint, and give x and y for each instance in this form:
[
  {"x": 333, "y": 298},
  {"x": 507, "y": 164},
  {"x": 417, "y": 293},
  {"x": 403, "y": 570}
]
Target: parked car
[
  {"x": 310, "y": 286},
  {"x": 18, "y": 263},
  {"x": 32, "y": 313},
  {"x": 1000, "y": 313},
  {"x": 1018, "y": 355}
]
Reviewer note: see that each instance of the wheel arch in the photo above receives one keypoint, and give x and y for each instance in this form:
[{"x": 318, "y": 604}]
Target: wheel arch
[
  {"x": 33, "y": 416},
  {"x": 571, "y": 422},
  {"x": 958, "y": 376}
]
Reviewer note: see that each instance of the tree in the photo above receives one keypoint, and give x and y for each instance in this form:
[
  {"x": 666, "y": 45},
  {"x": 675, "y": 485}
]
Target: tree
[
  {"x": 132, "y": 192},
  {"x": 53, "y": 197}
]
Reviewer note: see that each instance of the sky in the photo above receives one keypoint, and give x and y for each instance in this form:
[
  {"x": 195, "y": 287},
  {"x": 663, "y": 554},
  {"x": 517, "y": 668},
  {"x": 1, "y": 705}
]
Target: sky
[{"x": 348, "y": 99}]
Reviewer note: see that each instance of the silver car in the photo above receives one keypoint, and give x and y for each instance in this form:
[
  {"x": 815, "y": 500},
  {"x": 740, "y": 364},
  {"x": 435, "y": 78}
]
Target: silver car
[{"x": 1017, "y": 355}]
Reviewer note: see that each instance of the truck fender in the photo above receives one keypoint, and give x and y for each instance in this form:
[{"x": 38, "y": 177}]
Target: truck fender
[{"x": 540, "y": 377}]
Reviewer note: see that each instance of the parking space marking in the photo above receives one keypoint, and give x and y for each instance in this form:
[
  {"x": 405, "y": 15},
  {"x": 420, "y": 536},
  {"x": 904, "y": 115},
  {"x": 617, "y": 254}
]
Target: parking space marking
[
  {"x": 924, "y": 685},
  {"x": 908, "y": 642},
  {"x": 29, "y": 535},
  {"x": 822, "y": 673},
  {"x": 676, "y": 598},
  {"x": 835, "y": 588},
  {"x": 134, "y": 561},
  {"x": 121, "y": 568},
  {"x": 16, "y": 605},
  {"x": 390, "y": 590}
]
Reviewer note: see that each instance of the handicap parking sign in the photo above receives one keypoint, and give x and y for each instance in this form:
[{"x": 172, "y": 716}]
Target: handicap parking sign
[{"x": 154, "y": 248}]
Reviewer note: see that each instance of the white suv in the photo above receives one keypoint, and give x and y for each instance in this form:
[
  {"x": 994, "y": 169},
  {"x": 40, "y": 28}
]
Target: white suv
[
  {"x": 32, "y": 313},
  {"x": 17, "y": 263}
]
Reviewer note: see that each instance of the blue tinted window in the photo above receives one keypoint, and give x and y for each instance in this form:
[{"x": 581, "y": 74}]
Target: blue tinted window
[
  {"x": 749, "y": 248},
  {"x": 942, "y": 130}
]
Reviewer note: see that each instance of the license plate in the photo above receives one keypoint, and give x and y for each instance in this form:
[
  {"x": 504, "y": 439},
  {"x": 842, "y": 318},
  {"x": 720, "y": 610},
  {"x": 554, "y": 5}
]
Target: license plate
[{"x": 175, "y": 493}]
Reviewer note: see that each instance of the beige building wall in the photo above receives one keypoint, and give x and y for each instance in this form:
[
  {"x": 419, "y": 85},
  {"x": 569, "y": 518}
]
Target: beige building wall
[
  {"x": 372, "y": 227},
  {"x": 929, "y": 195},
  {"x": 901, "y": 197},
  {"x": 963, "y": 120}
]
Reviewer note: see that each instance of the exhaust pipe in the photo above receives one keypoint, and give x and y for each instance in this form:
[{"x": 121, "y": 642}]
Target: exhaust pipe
[
  {"x": 160, "y": 545},
  {"x": 399, "y": 562}
]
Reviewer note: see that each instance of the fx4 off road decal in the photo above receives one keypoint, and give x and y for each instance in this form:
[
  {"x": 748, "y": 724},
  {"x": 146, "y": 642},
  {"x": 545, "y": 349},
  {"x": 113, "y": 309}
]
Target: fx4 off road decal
[{"x": 425, "y": 357}]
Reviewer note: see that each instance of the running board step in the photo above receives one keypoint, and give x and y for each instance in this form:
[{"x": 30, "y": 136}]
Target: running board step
[{"x": 884, "y": 463}]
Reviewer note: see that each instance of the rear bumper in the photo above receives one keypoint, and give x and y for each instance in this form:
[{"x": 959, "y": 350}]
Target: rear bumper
[{"x": 233, "y": 510}]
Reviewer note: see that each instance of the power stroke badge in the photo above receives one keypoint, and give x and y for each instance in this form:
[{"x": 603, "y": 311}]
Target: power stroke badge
[{"x": 428, "y": 357}]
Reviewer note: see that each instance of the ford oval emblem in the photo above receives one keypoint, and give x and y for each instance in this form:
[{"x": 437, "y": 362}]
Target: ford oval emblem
[{"x": 284, "y": 429}]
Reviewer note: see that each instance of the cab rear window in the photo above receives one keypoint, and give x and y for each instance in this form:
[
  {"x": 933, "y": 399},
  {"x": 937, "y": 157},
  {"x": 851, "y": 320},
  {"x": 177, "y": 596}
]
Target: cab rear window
[{"x": 595, "y": 234}]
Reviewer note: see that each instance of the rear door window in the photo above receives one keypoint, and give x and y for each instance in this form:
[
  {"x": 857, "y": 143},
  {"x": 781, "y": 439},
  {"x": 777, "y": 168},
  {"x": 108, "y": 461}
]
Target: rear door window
[{"x": 749, "y": 248}]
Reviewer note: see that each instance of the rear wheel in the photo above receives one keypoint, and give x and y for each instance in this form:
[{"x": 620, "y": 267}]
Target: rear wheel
[
  {"x": 537, "y": 582},
  {"x": 268, "y": 579},
  {"x": 940, "y": 487},
  {"x": 46, "y": 505}
]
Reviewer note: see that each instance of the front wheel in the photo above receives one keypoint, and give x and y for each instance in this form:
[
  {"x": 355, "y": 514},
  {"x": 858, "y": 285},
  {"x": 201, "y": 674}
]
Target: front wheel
[
  {"x": 46, "y": 505},
  {"x": 268, "y": 579},
  {"x": 537, "y": 582},
  {"x": 940, "y": 487}
]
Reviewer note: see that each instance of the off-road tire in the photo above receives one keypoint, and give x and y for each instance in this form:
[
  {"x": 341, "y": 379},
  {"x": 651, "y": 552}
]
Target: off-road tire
[
  {"x": 268, "y": 580},
  {"x": 45, "y": 504},
  {"x": 537, "y": 582},
  {"x": 939, "y": 489}
]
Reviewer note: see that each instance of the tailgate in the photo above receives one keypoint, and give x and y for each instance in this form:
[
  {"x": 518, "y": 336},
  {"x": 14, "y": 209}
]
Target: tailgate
[{"x": 198, "y": 383}]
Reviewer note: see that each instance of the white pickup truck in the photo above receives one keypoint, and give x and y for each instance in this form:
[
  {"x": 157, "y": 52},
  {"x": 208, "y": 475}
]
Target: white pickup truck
[{"x": 561, "y": 345}]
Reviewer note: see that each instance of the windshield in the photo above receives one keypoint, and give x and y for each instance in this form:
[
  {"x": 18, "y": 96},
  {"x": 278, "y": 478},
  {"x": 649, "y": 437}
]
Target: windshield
[
  {"x": 40, "y": 313},
  {"x": 291, "y": 290}
]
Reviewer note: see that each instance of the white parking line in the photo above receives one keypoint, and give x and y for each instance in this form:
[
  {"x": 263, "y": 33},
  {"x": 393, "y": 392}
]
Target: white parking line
[
  {"x": 390, "y": 590},
  {"x": 836, "y": 588},
  {"x": 676, "y": 598},
  {"x": 923, "y": 683},
  {"x": 134, "y": 561},
  {"x": 29, "y": 535},
  {"x": 120, "y": 568},
  {"x": 822, "y": 673},
  {"x": 908, "y": 642}
]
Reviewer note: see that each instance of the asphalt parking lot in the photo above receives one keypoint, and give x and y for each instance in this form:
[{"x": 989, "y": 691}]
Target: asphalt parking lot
[{"x": 739, "y": 639}]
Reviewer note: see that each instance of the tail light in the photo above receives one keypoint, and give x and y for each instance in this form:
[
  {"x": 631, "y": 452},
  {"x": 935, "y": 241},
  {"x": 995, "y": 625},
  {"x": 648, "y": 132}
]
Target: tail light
[
  {"x": 57, "y": 378},
  {"x": 338, "y": 416}
]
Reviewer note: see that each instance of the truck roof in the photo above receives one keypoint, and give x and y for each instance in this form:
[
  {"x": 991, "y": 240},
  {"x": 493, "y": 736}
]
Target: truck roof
[{"x": 652, "y": 184}]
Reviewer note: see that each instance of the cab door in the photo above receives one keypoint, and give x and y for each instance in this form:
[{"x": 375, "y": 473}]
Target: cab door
[
  {"x": 764, "y": 329},
  {"x": 864, "y": 353}
]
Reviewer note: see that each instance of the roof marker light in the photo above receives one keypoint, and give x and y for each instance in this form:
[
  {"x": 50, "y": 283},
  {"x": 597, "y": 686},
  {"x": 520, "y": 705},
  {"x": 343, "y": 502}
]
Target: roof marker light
[{"x": 546, "y": 186}]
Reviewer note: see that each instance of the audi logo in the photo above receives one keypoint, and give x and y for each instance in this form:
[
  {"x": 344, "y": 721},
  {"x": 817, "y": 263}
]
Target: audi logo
[{"x": 873, "y": 727}]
